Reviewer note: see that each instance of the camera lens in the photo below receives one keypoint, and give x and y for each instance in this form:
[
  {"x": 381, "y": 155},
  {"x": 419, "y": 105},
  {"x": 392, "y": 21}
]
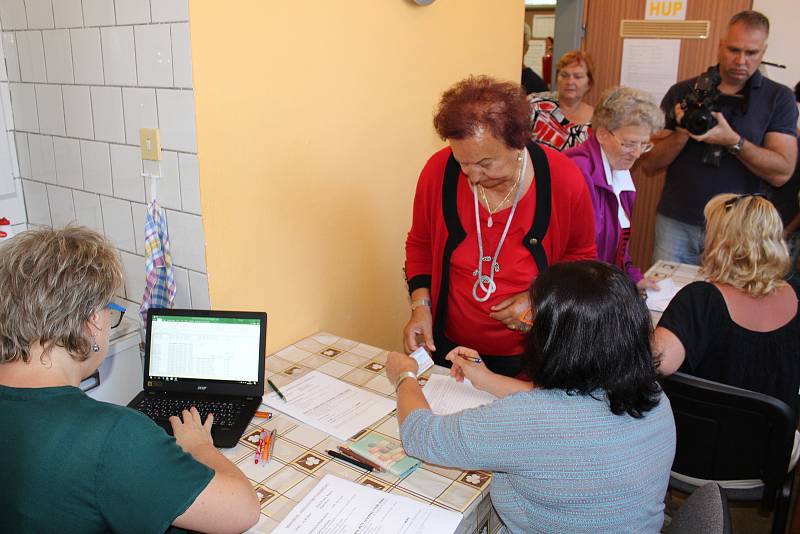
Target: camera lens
[{"x": 699, "y": 121}]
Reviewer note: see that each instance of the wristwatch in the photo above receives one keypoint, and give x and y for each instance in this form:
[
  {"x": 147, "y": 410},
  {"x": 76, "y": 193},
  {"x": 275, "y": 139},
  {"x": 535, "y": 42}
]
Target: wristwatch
[
  {"x": 736, "y": 148},
  {"x": 420, "y": 302},
  {"x": 407, "y": 374}
]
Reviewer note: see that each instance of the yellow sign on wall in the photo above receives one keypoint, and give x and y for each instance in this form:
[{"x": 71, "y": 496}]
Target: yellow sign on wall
[{"x": 665, "y": 10}]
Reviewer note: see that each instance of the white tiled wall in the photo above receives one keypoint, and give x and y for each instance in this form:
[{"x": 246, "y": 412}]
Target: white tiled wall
[{"x": 82, "y": 77}]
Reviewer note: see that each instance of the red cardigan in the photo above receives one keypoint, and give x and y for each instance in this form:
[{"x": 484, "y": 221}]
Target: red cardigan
[{"x": 436, "y": 229}]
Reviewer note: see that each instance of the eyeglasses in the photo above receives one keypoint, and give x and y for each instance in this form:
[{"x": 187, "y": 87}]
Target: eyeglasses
[
  {"x": 732, "y": 201},
  {"x": 631, "y": 146},
  {"x": 116, "y": 309}
]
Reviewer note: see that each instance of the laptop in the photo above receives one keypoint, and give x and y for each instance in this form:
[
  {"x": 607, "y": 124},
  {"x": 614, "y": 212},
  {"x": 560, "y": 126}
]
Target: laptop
[{"x": 210, "y": 359}]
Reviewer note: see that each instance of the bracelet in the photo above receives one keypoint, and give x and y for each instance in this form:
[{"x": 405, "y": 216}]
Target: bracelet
[
  {"x": 420, "y": 302},
  {"x": 407, "y": 374}
]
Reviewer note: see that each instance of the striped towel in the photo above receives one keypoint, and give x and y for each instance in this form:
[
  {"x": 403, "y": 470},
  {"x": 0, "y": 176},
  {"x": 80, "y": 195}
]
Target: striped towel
[{"x": 159, "y": 290}]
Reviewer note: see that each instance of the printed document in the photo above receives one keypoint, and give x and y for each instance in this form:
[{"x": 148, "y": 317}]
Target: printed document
[
  {"x": 658, "y": 300},
  {"x": 447, "y": 396},
  {"x": 337, "y": 506},
  {"x": 330, "y": 405}
]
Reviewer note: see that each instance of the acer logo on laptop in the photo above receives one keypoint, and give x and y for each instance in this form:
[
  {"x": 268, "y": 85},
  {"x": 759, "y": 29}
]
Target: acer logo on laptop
[{"x": 202, "y": 388}]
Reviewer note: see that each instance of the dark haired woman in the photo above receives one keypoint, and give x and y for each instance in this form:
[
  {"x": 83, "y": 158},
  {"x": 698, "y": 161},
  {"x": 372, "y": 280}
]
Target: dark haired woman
[
  {"x": 489, "y": 214},
  {"x": 589, "y": 448}
]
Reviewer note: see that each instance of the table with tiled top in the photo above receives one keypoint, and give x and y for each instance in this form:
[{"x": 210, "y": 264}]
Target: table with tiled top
[
  {"x": 299, "y": 460},
  {"x": 681, "y": 274}
]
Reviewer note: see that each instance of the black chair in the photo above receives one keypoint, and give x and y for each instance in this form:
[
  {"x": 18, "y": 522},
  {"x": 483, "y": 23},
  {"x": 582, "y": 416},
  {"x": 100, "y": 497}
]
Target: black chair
[
  {"x": 728, "y": 433},
  {"x": 704, "y": 512}
]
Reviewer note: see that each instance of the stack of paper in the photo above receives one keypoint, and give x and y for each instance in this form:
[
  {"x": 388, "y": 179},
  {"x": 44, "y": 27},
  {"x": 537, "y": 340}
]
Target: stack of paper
[
  {"x": 447, "y": 396},
  {"x": 659, "y": 300},
  {"x": 343, "y": 507},
  {"x": 325, "y": 403}
]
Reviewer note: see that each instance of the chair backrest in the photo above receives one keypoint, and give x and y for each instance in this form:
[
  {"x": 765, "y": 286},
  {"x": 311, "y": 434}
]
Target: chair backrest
[
  {"x": 704, "y": 512},
  {"x": 729, "y": 433}
]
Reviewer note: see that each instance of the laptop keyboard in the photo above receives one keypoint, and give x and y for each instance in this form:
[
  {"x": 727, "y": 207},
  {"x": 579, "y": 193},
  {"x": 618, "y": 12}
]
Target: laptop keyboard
[{"x": 160, "y": 409}]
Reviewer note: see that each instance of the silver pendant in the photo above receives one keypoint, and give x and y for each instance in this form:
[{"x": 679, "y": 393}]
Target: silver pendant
[{"x": 490, "y": 222}]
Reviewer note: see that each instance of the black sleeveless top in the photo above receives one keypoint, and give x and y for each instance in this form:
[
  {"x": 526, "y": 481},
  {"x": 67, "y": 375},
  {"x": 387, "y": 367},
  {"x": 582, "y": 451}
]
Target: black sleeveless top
[{"x": 718, "y": 349}]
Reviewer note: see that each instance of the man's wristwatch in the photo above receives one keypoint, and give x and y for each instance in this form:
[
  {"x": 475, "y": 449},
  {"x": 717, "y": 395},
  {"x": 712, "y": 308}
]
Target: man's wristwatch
[
  {"x": 420, "y": 302},
  {"x": 403, "y": 376},
  {"x": 736, "y": 148}
]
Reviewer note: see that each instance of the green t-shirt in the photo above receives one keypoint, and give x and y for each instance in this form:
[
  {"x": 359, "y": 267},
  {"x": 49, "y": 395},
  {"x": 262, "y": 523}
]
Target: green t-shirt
[{"x": 69, "y": 463}]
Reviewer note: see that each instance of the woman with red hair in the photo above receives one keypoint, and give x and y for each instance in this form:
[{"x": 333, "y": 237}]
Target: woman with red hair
[{"x": 491, "y": 211}]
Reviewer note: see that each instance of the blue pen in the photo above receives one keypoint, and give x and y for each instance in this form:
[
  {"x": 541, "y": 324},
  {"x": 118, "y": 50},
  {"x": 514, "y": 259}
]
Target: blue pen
[{"x": 471, "y": 358}]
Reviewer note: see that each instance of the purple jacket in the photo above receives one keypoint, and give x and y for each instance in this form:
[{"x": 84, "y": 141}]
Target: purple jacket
[{"x": 606, "y": 223}]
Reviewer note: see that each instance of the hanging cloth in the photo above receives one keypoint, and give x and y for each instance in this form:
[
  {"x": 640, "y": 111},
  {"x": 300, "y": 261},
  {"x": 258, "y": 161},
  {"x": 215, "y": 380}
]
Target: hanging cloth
[{"x": 159, "y": 289}]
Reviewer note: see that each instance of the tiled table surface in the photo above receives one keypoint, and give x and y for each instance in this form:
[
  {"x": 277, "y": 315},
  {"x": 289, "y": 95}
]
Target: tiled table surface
[
  {"x": 299, "y": 460},
  {"x": 681, "y": 274}
]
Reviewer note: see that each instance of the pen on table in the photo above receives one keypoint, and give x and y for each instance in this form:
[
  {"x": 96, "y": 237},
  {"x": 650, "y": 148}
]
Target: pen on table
[
  {"x": 260, "y": 448},
  {"x": 352, "y": 461},
  {"x": 273, "y": 435},
  {"x": 349, "y": 452},
  {"x": 276, "y": 390},
  {"x": 264, "y": 415}
]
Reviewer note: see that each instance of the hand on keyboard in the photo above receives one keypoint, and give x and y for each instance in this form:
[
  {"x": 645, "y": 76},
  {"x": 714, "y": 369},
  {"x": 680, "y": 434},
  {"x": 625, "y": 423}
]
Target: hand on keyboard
[{"x": 191, "y": 431}]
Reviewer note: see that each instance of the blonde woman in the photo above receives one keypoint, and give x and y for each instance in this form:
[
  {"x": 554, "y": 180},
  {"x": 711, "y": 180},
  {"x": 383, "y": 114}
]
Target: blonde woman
[{"x": 741, "y": 327}]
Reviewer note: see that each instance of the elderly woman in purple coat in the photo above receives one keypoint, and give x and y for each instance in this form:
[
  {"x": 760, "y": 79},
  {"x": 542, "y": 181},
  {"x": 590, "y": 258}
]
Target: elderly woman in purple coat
[{"x": 622, "y": 124}]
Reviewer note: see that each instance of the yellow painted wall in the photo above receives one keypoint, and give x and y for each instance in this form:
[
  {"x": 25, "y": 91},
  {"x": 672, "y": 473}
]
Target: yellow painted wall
[{"x": 313, "y": 122}]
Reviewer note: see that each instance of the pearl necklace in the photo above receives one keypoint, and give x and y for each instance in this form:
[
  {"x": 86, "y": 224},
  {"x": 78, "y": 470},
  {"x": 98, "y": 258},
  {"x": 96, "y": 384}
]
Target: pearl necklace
[{"x": 485, "y": 282}]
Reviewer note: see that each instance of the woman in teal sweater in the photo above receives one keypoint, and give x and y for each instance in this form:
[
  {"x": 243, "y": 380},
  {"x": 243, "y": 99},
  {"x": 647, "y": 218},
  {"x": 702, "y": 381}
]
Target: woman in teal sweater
[{"x": 589, "y": 445}]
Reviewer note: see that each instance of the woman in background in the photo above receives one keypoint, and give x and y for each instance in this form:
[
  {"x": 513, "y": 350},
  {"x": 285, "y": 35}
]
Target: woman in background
[
  {"x": 69, "y": 463},
  {"x": 622, "y": 124},
  {"x": 741, "y": 327},
  {"x": 561, "y": 119},
  {"x": 590, "y": 446}
]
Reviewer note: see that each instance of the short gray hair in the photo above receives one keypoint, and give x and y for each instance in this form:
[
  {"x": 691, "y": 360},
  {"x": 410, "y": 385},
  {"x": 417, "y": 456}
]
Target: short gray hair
[
  {"x": 626, "y": 106},
  {"x": 51, "y": 282}
]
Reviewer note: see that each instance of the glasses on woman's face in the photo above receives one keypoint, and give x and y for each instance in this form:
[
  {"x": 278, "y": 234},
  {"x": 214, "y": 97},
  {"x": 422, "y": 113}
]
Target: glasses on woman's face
[
  {"x": 632, "y": 146},
  {"x": 731, "y": 202},
  {"x": 117, "y": 313}
]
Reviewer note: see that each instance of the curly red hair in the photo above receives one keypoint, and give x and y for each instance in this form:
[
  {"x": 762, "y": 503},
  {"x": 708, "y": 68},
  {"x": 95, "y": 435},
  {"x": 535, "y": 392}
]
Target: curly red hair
[{"x": 482, "y": 103}]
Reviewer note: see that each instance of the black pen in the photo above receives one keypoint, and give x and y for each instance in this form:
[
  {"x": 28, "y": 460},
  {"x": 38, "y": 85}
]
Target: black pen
[
  {"x": 349, "y": 460},
  {"x": 276, "y": 390}
]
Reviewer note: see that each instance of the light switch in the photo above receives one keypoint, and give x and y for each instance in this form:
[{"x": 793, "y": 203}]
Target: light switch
[{"x": 150, "y": 143}]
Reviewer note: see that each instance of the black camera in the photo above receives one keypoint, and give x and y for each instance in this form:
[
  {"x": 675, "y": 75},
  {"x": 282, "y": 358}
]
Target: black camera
[{"x": 700, "y": 102}]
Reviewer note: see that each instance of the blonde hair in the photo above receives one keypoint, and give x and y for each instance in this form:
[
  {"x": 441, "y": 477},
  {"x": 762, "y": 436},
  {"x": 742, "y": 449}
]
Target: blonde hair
[
  {"x": 744, "y": 244},
  {"x": 51, "y": 283},
  {"x": 624, "y": 106}
]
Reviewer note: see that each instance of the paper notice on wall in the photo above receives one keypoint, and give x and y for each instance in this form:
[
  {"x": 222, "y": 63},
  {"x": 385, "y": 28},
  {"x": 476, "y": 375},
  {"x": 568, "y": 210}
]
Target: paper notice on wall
[
  {"x": 533, "y": 58},
  {"x": 665, "y": 10},
  {"x": 543, "y": 26},
  {"x": 650, "y": 65}
]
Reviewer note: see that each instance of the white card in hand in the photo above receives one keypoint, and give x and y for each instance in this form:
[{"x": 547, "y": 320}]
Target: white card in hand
[{"x": 424, "y": 361}]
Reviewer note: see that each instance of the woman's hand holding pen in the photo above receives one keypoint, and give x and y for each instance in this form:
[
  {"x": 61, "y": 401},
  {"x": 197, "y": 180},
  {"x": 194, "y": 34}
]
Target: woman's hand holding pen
[{"x": 467, "y": 363}]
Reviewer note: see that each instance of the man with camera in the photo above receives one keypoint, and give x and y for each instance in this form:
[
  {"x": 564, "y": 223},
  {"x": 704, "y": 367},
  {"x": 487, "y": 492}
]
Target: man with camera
[{"x": 727, "y": 130}]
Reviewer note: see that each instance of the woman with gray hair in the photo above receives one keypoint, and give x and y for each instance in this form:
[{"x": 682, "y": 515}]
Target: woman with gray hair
[
  {"x": 69, "y": 463},
  {"x": 622, "y": 124}
]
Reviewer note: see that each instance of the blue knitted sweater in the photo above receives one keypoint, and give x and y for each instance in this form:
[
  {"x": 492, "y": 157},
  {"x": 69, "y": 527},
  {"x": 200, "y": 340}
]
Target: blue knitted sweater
[{"x": 560, "y": 463}]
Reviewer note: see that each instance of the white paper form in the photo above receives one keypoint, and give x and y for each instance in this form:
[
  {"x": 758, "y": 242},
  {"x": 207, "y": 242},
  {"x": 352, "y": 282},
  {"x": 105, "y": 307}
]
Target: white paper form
[
  {"x": 330, "y": 405},
  {"x": 337, "y": 506},
  {"x": 447, "y": 396},
  {"x": 659, "y": 300},
  {"x": 650, "y": 65}
]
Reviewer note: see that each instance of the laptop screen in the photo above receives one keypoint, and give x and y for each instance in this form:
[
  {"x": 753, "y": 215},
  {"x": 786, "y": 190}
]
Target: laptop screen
[{"x": 198, "y": 346}]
